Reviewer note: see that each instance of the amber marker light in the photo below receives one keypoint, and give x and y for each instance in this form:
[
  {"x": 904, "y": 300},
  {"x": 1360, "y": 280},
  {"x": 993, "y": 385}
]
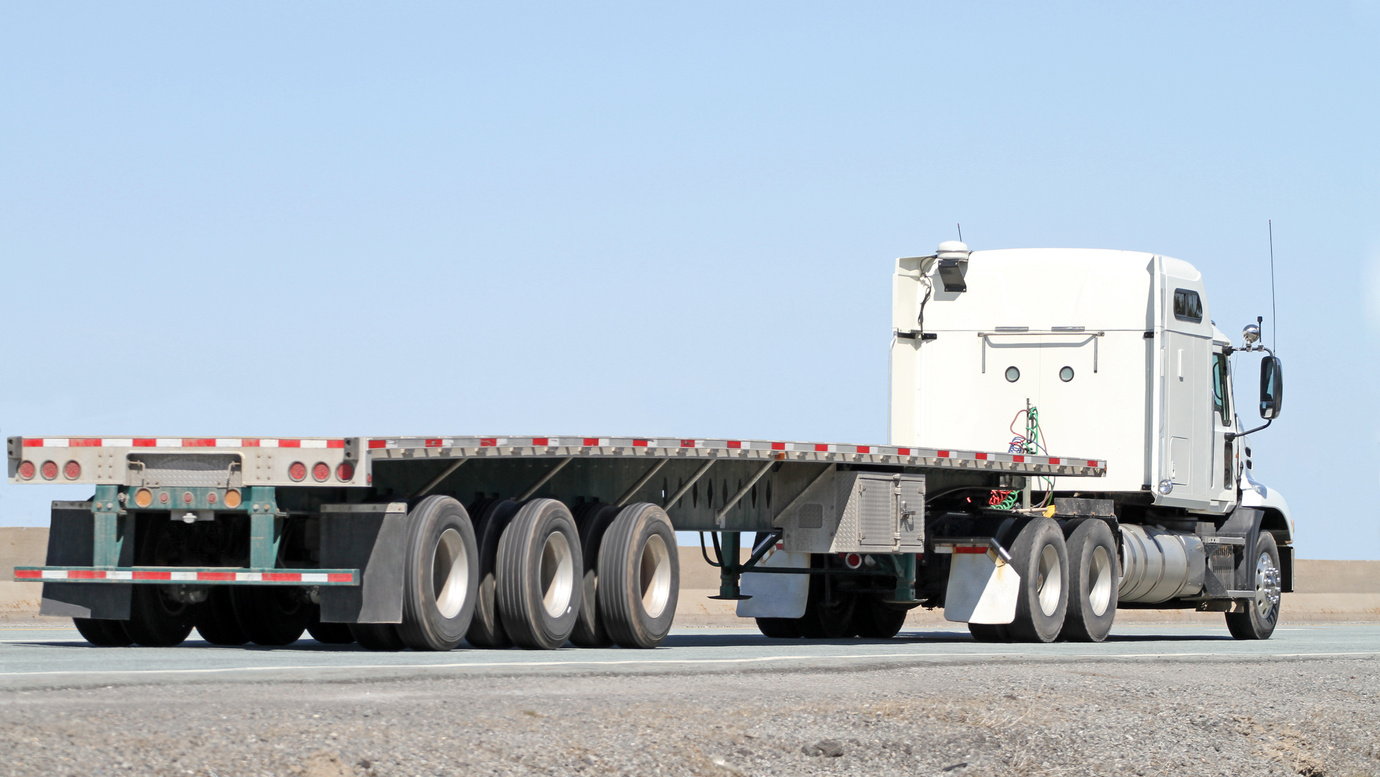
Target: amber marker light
[
  {"x": 232, "y": 499},
  {"x": 143, "y": 497}
]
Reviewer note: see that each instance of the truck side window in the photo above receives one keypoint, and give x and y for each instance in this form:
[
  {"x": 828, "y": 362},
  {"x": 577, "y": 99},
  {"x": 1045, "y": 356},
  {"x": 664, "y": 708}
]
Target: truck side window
[
  {"x": 1188, "y": 306},
  {"x": 1221, "y": 401}
]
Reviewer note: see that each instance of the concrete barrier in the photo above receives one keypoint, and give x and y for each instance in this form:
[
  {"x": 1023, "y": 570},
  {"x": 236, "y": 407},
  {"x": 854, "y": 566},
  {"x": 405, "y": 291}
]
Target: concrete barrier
[{"x": 1326, "y": 590}]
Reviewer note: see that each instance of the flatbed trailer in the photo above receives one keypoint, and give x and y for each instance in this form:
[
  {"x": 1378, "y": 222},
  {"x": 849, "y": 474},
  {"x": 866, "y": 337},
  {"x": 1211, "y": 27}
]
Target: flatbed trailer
[{"x": 332, "y": 525}]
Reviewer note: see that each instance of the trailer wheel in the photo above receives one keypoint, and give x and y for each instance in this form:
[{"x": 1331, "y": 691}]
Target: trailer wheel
[
  {"x": 1041, "y": 558},
  {"x": 271, "y": 615},
  {"x": 781, "y": 628},
  {"x": 639, "y": 577},
  {"x": 1092, "y": 582},
  {"x": 1261, "y": 616},
  {"x": 593, "y": 521},
  {"x": 486, "y": 628},
  {"x": 103, "y": 633},
  {"x": 538, "y": 575},
  {"x": 875, "y": 619},
  {"x": 216, "y": 621},
  {"x": 329, "y": 633},
  {"x": 442, "y": 572},
  {"x": 377, "y": 636},
  {"x": 156, "y": 619}
]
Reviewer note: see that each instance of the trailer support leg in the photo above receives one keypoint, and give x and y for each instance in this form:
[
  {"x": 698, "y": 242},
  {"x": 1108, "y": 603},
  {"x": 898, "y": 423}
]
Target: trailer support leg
[
  {"x": 905, "y": 578},
  {"x": 110, "y": 529},
  {"x": 265, "y": 528},
  {"x": 729, "y": 568}
]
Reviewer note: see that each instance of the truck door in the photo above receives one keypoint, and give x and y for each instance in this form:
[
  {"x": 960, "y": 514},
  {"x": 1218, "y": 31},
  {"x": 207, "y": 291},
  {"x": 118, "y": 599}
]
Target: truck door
[
  {"x": 1223, "y": 422},
  {"x": 1186, "y": 431}
]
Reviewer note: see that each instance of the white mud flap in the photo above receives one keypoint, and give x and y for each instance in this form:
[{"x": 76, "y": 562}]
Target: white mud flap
[
  {"x": 982, "y": 588},
  {"x": 776, "y": 596}
]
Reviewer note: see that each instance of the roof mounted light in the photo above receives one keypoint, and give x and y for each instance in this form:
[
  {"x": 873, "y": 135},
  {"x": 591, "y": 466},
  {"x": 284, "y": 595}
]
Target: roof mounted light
[{"x": 953, "y": 263}]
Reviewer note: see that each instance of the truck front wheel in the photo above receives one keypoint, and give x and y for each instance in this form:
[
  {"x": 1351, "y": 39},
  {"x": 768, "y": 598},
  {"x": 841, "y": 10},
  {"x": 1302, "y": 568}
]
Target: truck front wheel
[{"x": 1261, "y": 615}]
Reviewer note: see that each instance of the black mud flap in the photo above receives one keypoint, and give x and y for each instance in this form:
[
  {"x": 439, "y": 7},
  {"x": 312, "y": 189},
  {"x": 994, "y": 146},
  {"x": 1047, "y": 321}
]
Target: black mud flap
[
  {"x": 71, "y": 543},
  {"x": 371, "y": 538}
]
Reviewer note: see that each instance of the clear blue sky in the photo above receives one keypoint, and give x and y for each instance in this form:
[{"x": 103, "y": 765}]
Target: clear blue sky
[{"x": 348, "y": 218}]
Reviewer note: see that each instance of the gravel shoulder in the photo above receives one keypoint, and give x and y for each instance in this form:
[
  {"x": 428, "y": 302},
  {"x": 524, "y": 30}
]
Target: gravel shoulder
[{"x": 1309, "y": 717}]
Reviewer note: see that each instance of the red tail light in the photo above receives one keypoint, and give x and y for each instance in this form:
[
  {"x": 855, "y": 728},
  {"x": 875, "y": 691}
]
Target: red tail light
[
  {"x": 27, "y": 470},
  {"x": 72, "y": 470},
  {"x": 49, "y": 470},
  {"x": 320, "y": 472},
  {"x": 298, "y": 471},
  {"x": 345, "y": 472}
]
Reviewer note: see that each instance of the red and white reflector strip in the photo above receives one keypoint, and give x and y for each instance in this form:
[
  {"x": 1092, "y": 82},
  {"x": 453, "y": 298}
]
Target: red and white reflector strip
[
  {"x": 288, "y": 577},
  {"x": 181, "y": 442}
]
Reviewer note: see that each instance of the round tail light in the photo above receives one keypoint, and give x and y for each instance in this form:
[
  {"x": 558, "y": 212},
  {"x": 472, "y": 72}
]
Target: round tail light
[
  {"x": 48, "y": 470},
  {"x": 143, "y": 497},
  {"x": 298, "y": 471},
  {"x": 320, "y": 472},
  {"x": 345, "y": 472},
  {"x": 232, "y": 499},
  {"x": 71, "y": 470},
  {"x": 27, "y": 470}
]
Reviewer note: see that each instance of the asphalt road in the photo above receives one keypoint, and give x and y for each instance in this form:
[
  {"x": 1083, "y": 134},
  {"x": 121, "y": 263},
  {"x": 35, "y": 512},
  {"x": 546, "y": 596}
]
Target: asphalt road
[{"x": 46, "y": 656}]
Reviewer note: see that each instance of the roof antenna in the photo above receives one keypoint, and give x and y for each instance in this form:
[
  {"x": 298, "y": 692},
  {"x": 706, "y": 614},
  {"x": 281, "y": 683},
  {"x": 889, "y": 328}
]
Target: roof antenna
[
  {"x": 960, "y": 234},
  {"x": 1274, "y": 318}
]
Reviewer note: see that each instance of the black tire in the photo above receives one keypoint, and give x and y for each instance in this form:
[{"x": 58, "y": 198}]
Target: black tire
[
  {"x": 1093, "y": 581},
  {"x": 329, "y": 633},
  {"x": 441, "y": 575},
  {"x": 781, "y": 628},
  {"x": 1261, "y": 615},
  {"x": 377, "y": 636},
  {"x": 875, "y": 619},
  {"x": 216, "y": 621},
  {"x": 103, "y": 633},
  {"x": 639, "y": 577},
  {"x": 486, "y": 627},
  {"x": 988, "y": 632},
  {"x": 271, "y": 615},
  {"x": 156, "y": 619},
  {"x": 1041, "y": 559},
  {"x": 538, "y": 575},
  {"x": 829, "y": 618},
  {"x": 593, "y": 521}
]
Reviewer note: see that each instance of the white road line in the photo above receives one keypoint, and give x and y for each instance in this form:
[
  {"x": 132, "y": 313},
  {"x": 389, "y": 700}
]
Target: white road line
[{"x": 670, "y": 661}]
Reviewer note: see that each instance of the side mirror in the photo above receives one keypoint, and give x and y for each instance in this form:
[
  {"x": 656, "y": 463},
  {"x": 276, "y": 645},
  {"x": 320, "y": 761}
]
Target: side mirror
[{"x": 1271, "y": 387}]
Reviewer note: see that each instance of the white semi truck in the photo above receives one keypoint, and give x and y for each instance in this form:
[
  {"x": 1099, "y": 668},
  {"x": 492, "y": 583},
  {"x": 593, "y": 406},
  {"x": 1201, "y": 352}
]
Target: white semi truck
[{"x": 430, "y": 542}]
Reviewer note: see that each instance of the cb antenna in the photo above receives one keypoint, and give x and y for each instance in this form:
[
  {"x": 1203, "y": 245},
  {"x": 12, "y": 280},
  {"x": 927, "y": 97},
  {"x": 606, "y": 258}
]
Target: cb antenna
[
  {"x": 960, "y": 232},
  {"x": 1274, "y": 317}
]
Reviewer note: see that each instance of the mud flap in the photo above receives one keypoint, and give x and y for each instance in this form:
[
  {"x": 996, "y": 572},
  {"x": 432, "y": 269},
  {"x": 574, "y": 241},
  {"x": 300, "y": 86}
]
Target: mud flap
[
  {"x": 983, "y": 588},
  {"x": 776, "y": 596}
]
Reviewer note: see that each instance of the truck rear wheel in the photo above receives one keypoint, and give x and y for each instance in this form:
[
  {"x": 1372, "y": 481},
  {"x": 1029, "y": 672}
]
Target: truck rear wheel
[
  {"x": 1092, "y": 582},
  {"x": 781, "y": 628},
  {"x": 103, "y": 633},
  {"x": 639, "y": 577},
  {"x": 271, "y": 615},
  {"x": 538, "y": 575},
  {"x": 156, "y": 619},
  {"x": 1041, "y": 559},
  {"x": 829, "y": 618},
  {"x": 486, "y": 627},
  {"x": 1261, "y": 615},
  {"x": 216, "y": 621},
  {"x": 377, "y": 636},
  {"x": 593, "y": 521},
  {"x": 440, "y": 577},
  {"x": 873, "y": 618}
]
